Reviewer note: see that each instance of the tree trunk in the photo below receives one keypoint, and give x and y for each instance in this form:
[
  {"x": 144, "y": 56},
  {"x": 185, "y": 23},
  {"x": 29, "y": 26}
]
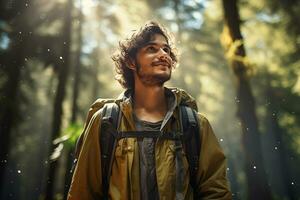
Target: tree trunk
[
  {"x": 12, "y": 64},
  {"x": 94, "y": 76},
  {"x": 274, "y": 128},
  {"x": 59, "y": 98},
  {"x": 178, "y": 19},
  {"x": 255, "y": 172},
  {"x": 77, "y": 70},
  {"x": 76, "y": 84},
  {"x": 9, "y": 102}
]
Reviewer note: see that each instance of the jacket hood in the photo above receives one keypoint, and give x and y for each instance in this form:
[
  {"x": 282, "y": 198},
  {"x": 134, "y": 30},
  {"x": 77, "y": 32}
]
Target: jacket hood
[{"x": 184, "y": 98}]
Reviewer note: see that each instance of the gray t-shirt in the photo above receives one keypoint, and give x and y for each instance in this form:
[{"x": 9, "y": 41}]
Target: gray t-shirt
[{"x": 148, "y": 181}]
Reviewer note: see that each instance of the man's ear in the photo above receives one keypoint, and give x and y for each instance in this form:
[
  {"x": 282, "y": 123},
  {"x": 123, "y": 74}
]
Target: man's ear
[{"x": 131, "y": 65}]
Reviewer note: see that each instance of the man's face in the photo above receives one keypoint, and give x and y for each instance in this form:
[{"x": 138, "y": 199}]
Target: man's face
[{"x": 153, "y": 62}]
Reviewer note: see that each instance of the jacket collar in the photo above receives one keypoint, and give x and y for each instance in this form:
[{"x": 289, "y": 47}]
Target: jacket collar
[{"x": 126, "y": 106}]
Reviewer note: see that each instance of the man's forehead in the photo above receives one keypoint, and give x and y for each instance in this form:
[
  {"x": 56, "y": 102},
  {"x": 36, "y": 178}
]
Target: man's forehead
[{"x": 158, "y": 39}]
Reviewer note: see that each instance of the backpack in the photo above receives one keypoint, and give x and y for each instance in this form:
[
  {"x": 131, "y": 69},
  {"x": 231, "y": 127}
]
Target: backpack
[{"x": 188, "y": 137}]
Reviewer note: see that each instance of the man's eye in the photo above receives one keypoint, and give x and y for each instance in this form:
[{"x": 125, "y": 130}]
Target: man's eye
[
  {"x": 151, "y": 49},
  {"x": 167, "y": 50}
]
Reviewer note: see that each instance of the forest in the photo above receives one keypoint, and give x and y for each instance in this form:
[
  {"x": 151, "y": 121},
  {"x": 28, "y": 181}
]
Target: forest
[{"x": 239, "y": 59}]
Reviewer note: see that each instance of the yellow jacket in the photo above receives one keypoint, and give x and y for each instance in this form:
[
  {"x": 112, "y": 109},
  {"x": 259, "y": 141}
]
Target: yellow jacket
[{"x": 125, "y": 182}]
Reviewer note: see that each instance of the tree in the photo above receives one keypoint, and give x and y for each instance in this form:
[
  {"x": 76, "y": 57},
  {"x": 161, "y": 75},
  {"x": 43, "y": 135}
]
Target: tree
[
  {"x": 273, "y": 127},
  {"x": 12, "y": 64},
  {"x": 59, "y": 98},
  {"x": 21, "y": 25},
  {"x": 76, "y": 86},
  {"x": 233, "y": 40},
  {"x": 276, "y": 59}
]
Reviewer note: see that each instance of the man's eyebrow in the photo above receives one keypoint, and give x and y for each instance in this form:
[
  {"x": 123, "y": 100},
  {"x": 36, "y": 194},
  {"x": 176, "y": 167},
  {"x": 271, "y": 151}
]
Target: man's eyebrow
[{"x": 154, "y": 43}]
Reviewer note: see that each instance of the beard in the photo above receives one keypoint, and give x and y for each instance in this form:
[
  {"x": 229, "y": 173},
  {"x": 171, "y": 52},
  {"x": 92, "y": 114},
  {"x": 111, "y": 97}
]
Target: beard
[{"x": 152, "y": 79}]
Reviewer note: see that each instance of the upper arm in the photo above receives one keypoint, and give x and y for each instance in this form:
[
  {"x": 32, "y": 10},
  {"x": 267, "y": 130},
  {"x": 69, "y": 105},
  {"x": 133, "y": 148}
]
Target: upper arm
[
  {"x": 86, "y": 181},
  {"x": 212, "y": 181}
]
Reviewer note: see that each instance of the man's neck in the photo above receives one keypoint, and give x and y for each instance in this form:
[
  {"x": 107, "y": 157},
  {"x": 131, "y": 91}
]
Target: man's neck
[{"x": 150, "y": 102}]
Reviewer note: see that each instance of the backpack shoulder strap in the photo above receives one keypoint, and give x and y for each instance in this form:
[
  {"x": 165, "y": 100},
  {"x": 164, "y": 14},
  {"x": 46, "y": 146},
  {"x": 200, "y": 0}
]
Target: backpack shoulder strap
[
  {"x": 111, "y": 116},
  {"x": 191, "y": 137},
  {"x": 97, "y": 105}
]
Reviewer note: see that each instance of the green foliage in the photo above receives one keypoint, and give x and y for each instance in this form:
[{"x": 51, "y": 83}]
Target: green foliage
[
  {"x": 70, "y": 135},
  {"x": 67, "y": 141}
]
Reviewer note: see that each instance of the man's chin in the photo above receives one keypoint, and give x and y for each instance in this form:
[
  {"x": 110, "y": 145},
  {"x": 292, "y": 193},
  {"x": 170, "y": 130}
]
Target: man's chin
[
  {"x": 158, "y": 78},
  {"x": 162, "y": 78}
]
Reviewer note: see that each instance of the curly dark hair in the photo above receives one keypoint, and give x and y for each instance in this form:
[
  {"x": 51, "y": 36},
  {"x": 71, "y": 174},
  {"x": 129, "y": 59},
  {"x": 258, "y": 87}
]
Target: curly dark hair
[{"x": 128, "y": 49}]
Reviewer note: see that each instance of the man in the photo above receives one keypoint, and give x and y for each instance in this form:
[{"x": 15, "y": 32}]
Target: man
[{"x": 147, "y": 168}]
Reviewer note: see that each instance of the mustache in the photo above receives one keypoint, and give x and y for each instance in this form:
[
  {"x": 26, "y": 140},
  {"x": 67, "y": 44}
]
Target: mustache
[{"x": 161, "y": 62}]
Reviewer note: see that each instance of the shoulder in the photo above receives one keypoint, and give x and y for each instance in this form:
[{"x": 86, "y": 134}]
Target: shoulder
[
  {"x": 205, "y": 127},
  {"x": 95, "y": 114},
  {"x": 100, "y": 102},
  {"x": 203, "y": 121}
]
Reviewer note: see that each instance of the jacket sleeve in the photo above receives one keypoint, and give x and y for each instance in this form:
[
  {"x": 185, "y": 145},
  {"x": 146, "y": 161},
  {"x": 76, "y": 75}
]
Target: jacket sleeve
[
  {"x": 211, "y": 176},
  {"x": 86, "y": 181}
]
